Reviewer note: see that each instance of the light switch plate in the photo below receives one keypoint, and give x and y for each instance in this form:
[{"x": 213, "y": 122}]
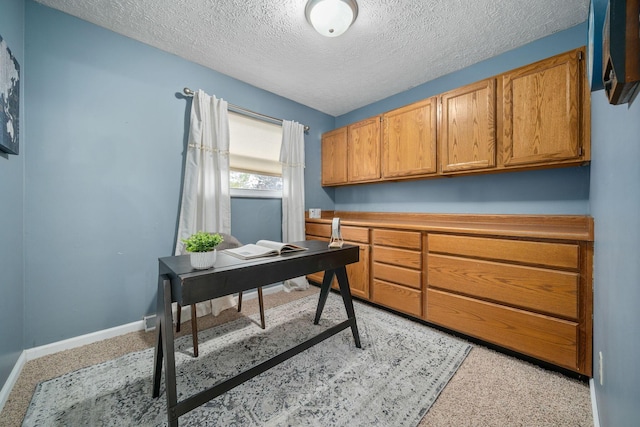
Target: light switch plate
[{"x": 315, "y": 213}]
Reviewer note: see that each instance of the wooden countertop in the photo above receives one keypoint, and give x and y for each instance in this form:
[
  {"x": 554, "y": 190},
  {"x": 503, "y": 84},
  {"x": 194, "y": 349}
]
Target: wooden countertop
[{"x": 561, "y": 227}]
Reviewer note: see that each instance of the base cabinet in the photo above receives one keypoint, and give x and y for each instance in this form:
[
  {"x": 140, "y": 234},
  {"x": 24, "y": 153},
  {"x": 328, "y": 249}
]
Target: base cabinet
[
  {"x": 527, "y": 296},
  {"x": 523, "y": 284}
]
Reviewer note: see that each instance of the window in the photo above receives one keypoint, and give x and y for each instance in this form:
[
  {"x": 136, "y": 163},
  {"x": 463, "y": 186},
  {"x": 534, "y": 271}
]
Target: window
[{"x": 254, "y": 157}]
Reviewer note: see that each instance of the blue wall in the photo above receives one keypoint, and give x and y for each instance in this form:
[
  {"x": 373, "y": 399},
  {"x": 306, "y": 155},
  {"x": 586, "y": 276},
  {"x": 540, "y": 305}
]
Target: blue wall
[
  {"x": 615, "y": 206},
  {"x": 108, "y": 128},
  {"x": 553, "y": 191},
  {"x": 92, "y": 200},
  {"x": 256, "y": 219},
  {"x": 12, "y": 208}
]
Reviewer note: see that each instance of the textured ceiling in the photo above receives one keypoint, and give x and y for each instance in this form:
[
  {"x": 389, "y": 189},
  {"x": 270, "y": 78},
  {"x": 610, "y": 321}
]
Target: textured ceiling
[{"x": 393, "y": 45}]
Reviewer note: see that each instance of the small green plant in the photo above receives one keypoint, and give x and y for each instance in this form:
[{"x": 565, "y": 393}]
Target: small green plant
[{"x": 202, "y": 242}]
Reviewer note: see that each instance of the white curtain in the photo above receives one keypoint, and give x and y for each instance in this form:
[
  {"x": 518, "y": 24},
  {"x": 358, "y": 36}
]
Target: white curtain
[
  {"x": 206, "y": 202},
  {"x": 292, "y": 159}
]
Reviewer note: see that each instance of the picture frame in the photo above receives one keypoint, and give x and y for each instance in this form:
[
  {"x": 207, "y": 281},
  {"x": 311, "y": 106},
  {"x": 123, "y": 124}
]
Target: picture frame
[
  {"x": 9, "y": 100},
  {"x": 621, "y": 51}
]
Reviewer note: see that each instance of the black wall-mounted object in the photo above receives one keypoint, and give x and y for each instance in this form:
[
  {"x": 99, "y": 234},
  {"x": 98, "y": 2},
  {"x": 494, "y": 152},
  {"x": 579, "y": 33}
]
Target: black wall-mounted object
[{"x": 621, "y": 51}]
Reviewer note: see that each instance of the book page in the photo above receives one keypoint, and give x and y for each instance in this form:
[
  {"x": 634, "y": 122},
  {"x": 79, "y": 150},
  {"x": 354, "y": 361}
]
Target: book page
[
  {"x": 251, "y": 251},
  {"x": 277, "y": 246},
  {"x": 263, "y": 248},
  {"x": 280, "y": 247}
]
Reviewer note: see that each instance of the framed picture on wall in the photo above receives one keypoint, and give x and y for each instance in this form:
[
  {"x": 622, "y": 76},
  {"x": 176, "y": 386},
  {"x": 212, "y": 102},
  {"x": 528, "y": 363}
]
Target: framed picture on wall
[
  {"x": 621, "y": 51},
  {"x": 9, "y": 99}
]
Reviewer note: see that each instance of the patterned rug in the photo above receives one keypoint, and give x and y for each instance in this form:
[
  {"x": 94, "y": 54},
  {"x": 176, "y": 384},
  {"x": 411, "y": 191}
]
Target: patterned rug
[{"x": 392, "y": 381}]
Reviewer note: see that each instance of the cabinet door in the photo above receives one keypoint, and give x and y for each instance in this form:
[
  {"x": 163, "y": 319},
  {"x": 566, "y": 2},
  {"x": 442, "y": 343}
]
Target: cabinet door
[
  {"x": 467, "y": 134},
  {"x": 358, "y": 274},
  {"x": 334, "y": 157},
  {"x": 542, "y": 111},
  {"x": 364, "y": 150},
  {"x": 409, "y": 144}
]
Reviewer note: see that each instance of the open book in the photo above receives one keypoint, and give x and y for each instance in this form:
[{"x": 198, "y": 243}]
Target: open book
[{"x": 263, "y": 248}]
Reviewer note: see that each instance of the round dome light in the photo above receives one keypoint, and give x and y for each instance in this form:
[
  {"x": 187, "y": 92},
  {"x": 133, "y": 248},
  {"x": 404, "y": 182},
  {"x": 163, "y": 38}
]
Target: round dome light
[{"x": 331, "y": 18}]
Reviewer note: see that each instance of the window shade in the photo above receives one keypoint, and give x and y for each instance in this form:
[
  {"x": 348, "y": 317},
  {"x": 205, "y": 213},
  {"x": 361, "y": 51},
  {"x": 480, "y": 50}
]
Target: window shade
[{"x": 254, "y": 145}]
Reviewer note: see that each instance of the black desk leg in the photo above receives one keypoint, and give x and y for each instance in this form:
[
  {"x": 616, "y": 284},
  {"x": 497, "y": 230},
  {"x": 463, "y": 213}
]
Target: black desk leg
[
  {"x": 324, "y": 293},
  {"x": 345, "y": 291},
  {"x": 165, "y": 347},
  {"x": 157, "y": 355}
]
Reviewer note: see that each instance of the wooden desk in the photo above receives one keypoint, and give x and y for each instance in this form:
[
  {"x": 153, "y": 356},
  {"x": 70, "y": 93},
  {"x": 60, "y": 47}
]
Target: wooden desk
[{"x": 179, "y": 282}]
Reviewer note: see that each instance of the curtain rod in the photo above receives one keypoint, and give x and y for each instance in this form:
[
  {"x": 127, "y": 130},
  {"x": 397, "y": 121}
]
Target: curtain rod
[{"x": 244, "y": 111}]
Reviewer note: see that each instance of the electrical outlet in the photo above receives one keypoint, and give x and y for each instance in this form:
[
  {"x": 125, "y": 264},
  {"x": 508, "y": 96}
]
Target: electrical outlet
[{"x": 600, "y": 368}]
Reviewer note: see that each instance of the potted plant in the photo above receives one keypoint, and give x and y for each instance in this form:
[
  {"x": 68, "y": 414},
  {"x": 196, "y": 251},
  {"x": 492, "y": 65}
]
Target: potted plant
[{"x": 202, "y": 247}]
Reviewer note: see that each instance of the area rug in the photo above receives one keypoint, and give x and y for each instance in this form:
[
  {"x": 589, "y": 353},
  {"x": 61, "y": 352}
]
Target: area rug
[{"x": 392, "y": 381}]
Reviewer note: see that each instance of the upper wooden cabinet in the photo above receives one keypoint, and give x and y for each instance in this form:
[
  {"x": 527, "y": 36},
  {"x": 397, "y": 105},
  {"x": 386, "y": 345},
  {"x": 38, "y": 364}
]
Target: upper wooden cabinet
[
  {"x": 533, "y": 117},
  {"x": 351, "y": 153},
  {"x": 334, "y": 157},
  {"x": 543, "y": 112},
  {"x": 467, "y": 132},
  {"x": 363, "y": 159},
  {"x": 409, "y": 142}
]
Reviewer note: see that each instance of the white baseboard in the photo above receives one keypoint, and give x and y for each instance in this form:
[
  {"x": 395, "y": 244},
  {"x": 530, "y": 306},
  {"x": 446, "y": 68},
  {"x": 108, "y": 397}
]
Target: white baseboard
[
  {"x": 11, "y": 381},
  {"x": 44, "y": 350},
  {"x": 594, "y": 403}
]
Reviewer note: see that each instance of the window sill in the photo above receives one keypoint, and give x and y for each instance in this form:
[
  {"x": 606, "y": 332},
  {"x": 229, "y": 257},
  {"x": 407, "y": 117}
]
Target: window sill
[{"x": 256, "y": 194}]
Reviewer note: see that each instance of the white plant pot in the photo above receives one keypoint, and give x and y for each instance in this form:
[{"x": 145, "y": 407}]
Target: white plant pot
[{"x": 203, "y": 260}]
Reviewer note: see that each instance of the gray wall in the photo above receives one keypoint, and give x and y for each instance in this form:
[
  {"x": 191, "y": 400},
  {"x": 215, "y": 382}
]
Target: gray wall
[{"x": 12, "y": 208}]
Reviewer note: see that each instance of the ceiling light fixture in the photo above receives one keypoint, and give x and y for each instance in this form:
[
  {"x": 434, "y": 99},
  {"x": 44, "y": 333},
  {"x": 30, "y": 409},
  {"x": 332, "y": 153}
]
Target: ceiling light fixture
[{"x": 331, "y": 17}]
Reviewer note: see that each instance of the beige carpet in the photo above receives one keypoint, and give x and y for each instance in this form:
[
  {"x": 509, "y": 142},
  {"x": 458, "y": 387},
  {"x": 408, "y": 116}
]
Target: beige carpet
[{"x": 489, "y": 389}]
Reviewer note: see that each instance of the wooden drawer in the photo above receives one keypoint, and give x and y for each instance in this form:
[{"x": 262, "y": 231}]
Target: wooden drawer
[
  {"x": 354, "y": 234},
  {"x": 540, "y": 336},
  {"x": 397, "y": 297},
  {"x": 400, "y": 275},
  {"x": 395, "y": 256},
  {"x": 401, "y": 239},
  {"x": 315, "y": 229},
  {"x": 321, "y": 238},
  {"x": 560, "y": 255},
  {"x": 543, "y": 290}
]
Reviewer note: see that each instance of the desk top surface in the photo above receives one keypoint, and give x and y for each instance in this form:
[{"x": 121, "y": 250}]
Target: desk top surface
[{"x": 181, "y": 266}]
